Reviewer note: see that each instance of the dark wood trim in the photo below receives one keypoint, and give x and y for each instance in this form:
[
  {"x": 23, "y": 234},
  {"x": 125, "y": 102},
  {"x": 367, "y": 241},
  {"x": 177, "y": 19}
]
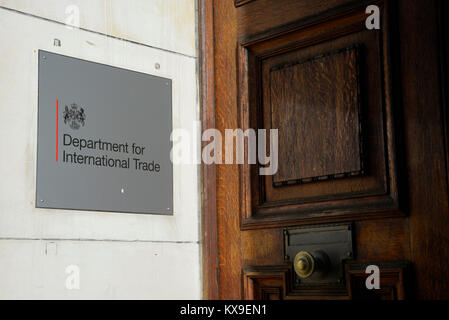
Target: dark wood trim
[
  {"x": 239, "y": 3},
  {"x": 284, "y": 277},
  {"x": 421, "y": 77},
  {"x": 305, "y": 22},
  {"x": 209, "y": 175},
  {"x": 396, "y": 273},
  {"x": 443, "y": 33}
]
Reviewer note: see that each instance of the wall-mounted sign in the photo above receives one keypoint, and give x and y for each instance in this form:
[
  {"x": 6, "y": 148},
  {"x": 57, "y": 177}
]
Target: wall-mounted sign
[{"x": 103, "y": 138}]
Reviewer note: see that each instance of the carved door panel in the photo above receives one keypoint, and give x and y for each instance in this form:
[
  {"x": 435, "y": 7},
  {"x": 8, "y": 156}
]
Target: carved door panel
[{"x": 362, "y": 165}]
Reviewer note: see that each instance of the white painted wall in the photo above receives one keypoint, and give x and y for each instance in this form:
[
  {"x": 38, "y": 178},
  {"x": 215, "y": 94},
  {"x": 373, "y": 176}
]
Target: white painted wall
[{"x": 120, "y": 256}]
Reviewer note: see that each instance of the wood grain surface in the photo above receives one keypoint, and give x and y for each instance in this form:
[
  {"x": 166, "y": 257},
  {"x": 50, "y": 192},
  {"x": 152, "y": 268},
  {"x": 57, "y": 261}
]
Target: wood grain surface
[
  {"x": 399, "y": 206},
  {"x": 315, "y": 107}
]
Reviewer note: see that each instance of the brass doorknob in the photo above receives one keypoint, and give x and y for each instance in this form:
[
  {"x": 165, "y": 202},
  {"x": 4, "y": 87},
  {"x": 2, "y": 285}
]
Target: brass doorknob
[{"x": 304, "y": 264}]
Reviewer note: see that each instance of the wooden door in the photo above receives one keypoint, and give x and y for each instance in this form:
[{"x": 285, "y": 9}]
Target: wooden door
[{"x": 363, "y": 168}]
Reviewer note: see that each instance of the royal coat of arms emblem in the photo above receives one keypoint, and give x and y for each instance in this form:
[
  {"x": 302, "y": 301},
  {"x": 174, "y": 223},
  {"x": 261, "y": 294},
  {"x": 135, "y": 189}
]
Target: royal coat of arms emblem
[{"x": 74, "y": 116}]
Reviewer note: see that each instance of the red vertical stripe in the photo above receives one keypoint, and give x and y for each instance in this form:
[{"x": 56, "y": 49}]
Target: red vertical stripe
[{"x": 57, "y": 127}]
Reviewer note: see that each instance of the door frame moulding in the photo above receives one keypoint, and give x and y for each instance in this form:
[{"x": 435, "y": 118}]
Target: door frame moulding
[{"x": 209, "y": 227}]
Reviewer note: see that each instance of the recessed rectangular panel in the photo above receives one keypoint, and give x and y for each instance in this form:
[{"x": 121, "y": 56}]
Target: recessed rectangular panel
[
  {"x": 325, "y": 84},
  {"x": 315, "y": 106},
  {"x": 103, "y": 138}
]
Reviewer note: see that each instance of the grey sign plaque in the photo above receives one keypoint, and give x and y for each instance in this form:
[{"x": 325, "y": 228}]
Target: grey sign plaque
[{"x": 103, "y": 138}]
